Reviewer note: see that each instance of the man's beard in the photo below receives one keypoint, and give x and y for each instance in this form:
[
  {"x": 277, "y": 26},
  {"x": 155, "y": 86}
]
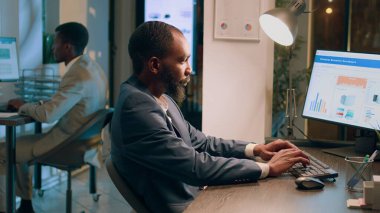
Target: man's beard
[{"x": 175, "y": 89}]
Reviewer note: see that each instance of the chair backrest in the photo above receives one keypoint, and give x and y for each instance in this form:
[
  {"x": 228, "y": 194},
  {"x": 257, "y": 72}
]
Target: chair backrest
[
  {"x": 129, "y": 195},
  {"x": 106, "y": 137},
  {"x": 87, "y": 137}
]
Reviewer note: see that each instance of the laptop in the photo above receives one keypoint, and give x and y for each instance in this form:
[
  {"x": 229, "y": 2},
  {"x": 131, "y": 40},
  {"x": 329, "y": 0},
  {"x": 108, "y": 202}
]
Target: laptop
[
  {"x": 9, "y": 71},
  {"x": 9, "y": 68}
]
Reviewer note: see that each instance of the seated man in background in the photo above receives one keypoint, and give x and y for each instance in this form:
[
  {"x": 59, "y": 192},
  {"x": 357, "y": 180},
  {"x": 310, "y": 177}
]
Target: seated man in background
[
  {"x": 157, "y": 152},
  {"x": 81, "y": 93}
]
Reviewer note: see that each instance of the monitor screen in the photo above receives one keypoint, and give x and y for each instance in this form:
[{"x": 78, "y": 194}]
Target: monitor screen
[
  {"x": 344, "y": 88},
  {"x": 8, "y": 59},
  {"x": 179, "y": 13}
]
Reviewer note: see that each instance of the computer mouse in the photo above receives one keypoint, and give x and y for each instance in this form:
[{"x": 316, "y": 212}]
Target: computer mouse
[{"x": 307, "y": 183}]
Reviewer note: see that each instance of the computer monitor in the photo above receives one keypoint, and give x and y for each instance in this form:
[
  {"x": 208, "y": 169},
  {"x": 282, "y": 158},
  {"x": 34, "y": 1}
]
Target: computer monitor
[
  {"x": 344, "y": 88},
  {"x": 9, "y": 70},
  {"x": 179, "y": 13}
]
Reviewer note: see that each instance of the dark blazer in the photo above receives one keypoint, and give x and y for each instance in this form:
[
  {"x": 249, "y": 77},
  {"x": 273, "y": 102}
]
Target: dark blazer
[{"x": 166, "y": 161}]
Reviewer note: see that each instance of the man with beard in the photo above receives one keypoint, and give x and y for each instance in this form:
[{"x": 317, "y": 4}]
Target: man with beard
[{"x": 158, "y": 153}]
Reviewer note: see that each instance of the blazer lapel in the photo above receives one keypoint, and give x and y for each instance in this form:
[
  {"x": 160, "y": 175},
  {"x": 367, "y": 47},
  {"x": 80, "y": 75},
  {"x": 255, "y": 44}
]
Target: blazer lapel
[
  {"x": 175, "y": 124},
  {"x": 179, "y": 125}
]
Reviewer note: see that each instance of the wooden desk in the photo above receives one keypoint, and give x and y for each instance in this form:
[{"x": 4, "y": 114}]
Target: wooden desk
[
  {"x": 10, "y": 140},
  {"x": 280, "y": 194}
]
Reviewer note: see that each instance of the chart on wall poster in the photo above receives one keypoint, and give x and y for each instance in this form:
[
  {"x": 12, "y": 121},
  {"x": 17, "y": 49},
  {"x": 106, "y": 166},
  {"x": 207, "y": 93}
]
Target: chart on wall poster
[{"x": 345, "y": 88}]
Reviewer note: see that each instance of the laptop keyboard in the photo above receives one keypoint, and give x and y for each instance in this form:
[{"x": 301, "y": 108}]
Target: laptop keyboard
[{"x": 316, "y": 169}]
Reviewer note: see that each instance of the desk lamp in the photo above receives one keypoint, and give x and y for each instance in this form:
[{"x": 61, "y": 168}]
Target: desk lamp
[{"x": 280, "y": 24}]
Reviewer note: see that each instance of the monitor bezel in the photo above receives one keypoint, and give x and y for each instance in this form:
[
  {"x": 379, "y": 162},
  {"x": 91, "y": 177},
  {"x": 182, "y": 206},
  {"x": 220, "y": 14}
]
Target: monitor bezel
[
  {"x": 307, "y": 90},
  {"x": 17, "y": 59}
]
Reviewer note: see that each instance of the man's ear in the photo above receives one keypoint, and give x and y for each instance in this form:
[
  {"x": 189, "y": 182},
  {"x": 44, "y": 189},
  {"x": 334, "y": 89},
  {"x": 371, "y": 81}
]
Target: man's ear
[
  {"x": 154, "y": 65},
  {"x": 69, "y": 48}
]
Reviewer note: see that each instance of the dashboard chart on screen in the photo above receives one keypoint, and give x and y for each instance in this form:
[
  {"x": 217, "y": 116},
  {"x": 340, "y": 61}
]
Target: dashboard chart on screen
[{"x": 345, "y": 88}]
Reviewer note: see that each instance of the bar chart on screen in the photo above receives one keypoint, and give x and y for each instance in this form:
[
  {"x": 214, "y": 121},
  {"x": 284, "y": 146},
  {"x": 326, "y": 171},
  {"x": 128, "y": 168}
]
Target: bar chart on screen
[
  {"x": 344, "y": 88},
  {"x": 318, "y": 105}
]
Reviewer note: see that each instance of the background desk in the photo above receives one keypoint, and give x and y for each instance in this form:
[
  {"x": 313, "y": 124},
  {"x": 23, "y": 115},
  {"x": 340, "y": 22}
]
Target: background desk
[
  {"x": 280, "y": 194},
  {"x": 10, "y": 140}
]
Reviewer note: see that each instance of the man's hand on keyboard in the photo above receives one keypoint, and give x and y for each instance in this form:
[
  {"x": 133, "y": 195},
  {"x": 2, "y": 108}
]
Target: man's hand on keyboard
[
  {"x": 267, "y": 151},
  {"x": 286, "y": 158}
]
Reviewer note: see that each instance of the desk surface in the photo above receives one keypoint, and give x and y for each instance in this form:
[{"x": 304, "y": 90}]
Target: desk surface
[
  {"x": 280, "y": 194},
  {"x": 16, "y": 120}
]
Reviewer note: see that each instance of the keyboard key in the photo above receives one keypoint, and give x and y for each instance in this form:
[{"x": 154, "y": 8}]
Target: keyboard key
[{"x": 316, "y": 168}]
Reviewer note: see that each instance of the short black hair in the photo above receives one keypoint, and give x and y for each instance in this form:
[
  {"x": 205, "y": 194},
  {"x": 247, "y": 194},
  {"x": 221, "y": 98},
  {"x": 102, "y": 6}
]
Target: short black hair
[
  {"x": 74, "y": 33},
  {"x": 153, "y": 38}
]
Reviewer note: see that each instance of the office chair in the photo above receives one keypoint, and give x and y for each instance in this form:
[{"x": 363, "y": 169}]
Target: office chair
[
  {"x": 69, "y": 155},
  {"x": 122, "y": 186}
]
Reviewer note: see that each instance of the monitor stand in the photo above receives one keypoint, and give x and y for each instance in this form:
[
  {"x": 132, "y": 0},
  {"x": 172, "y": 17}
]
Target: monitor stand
[{"x": 363, "y": 146}]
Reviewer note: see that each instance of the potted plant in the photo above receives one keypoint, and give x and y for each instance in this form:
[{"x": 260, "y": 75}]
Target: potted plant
[{"x": 282, "y": 59}]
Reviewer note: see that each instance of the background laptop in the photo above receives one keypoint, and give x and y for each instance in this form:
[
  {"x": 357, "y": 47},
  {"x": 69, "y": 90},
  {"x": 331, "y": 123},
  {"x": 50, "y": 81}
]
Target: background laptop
[{"x": 9, "y": 70}]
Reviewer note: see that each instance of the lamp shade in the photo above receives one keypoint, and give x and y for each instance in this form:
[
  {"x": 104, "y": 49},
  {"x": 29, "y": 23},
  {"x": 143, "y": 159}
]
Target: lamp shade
[{"x": 280, "y": 24}]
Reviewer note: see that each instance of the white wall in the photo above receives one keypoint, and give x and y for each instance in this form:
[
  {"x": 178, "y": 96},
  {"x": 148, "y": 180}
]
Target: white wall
[
  {"x": 30, "y": 34},
  {"x": 237, "y": 83}
]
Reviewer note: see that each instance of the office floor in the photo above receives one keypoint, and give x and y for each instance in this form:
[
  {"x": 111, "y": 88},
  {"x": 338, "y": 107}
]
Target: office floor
[{"x": 54, "y": 198}]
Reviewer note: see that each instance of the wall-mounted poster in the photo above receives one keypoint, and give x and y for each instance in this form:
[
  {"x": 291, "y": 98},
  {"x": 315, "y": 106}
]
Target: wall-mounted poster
[{"x": 237, "y": 19}]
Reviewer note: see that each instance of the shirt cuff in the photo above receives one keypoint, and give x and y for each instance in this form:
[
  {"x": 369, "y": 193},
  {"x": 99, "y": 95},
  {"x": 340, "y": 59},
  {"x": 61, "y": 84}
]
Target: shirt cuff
[
  {"x": 264, "y": 169},
  {"x": 249, "y": 150},
  {"x": 25, "y": 108}
]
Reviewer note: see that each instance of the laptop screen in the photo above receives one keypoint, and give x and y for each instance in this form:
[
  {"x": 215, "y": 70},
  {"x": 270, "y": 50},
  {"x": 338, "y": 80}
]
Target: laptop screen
[{"x": 9, "y": 70}]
